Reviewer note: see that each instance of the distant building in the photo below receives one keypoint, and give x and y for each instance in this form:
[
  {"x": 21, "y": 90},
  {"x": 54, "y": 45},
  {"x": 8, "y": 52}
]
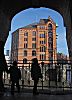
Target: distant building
[
  {"x": 35, "y": 40},
  {"x": 7, "y": 52},
  {"x": 7, "y": 56},
  {"x": 62, "y": 58}
]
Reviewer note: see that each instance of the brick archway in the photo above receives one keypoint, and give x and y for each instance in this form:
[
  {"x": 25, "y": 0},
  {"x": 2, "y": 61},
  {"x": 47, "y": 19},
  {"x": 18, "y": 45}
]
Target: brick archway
[{"x": 11, "y": 8}]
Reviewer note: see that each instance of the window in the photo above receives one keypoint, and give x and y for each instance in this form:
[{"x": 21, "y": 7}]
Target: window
[
  {"x": 50, "y": 27},
  {"x": 50, "y": 39},
  {"x": 42, "y": 56},
  {"x": 34, "y": 33},
  {"x": 33, "y": 45},
  {"x": 33, "y": 39},
  {"x": 50, "y": 45},
  {"x": 25, "y": 45},
  {"x": 33, "y": 53},
  {"x": 26, "y": 34},
  {"x": 42, "y": 49},
  {"x": 24, "y": 61},
  {"x": 42, "y": 35},
  {"x": 42, "y": 42},
  {"x": 42, "y": 27},
  {"x": 50, "y": 35},
  {"x": 49, "y": 32},
  {"x": 25, "y": 53},
  {"x": 25, "y": 39}
]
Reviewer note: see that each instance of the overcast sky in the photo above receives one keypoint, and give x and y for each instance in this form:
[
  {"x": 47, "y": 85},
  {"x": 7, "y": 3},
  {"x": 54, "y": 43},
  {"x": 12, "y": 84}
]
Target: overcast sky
[{"x": 32, "y": 15}]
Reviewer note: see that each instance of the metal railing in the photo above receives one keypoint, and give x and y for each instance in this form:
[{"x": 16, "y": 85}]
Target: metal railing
[{"x": 56, "y": 76}]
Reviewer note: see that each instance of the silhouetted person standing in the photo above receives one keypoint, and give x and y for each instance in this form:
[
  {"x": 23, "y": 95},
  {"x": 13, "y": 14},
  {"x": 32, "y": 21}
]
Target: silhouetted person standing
[
  {"x": 15, "y": 75},
  {"x": 3, "y": 68},
  {"x": 35, "y": 74}
]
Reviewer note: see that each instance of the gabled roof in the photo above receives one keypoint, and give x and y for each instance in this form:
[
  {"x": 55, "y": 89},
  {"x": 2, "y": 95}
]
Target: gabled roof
[
  {"x": 44, "y": 21},
  {"x": 41, "y": 22},
  {"x": 33, "y": 25}
]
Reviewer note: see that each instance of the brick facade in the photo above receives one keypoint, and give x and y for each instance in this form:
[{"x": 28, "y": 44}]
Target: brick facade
[{"x": 35, "y": 40}]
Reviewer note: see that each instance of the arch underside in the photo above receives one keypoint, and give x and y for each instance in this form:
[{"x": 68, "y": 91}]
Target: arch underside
[{"x": 12, "y": 7}]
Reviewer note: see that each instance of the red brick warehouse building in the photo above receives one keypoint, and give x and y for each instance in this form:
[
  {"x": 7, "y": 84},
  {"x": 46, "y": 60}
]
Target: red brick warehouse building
[{"x": 35, "y": 40}]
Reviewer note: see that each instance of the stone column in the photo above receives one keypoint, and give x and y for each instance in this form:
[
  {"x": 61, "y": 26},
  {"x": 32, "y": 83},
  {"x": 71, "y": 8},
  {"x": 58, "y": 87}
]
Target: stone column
[
  {"x": 4, "y": 31},
  {"x": 69, "y": 43}
]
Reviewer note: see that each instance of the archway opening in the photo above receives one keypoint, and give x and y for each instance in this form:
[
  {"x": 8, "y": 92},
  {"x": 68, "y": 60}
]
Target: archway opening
[
  {"x": 30, "y": 17},
  {"x": 33, "y": 15}
]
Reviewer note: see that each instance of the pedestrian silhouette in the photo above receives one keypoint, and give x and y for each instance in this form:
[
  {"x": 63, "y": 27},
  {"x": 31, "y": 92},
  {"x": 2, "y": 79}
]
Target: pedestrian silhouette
[
  {"x": 15, "y": 75},
  {"x": 35, "y": 74},
  {"x": 3, "y": 68}
]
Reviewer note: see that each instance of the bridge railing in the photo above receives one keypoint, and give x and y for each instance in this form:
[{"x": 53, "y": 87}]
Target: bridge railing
[{"x": 55, "y": 76}]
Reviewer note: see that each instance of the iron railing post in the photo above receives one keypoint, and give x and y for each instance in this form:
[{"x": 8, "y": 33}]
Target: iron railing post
[
  {"x": 42, "y": 63},
  {"x": 49, "y": 74},
  {"x": 29, "y": 75}
]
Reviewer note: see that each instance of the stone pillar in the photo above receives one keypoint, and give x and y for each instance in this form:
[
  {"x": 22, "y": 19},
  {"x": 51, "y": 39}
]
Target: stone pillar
[
  {"x": 2, "y": 57},
  {"x": 5, "y": 25},
  {"x": 65, "y": 11},
  {"x": 69, "y": 43},
  {"x": 4, "y": 31}
]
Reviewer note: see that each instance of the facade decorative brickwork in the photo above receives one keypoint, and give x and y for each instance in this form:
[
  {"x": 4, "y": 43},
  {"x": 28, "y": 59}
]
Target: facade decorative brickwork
[{"x": 35, "y": 40}]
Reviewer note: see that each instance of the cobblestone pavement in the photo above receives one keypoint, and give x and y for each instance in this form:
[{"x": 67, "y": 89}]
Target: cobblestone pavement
[
  {"x": 30, "y": 96},
  {"x": 26, "y": 94}
]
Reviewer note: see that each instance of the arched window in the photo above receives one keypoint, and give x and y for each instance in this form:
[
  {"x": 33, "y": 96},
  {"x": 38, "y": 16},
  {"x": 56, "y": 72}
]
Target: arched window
[
  {"x": 33, "y": 53},
  {"x": 24, "y": 60}
]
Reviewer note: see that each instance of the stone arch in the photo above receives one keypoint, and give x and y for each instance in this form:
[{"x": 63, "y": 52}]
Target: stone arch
[{"x": 10, "y": 8}]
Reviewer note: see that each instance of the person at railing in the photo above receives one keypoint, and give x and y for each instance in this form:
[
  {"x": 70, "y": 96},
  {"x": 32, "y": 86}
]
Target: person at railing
[
  {"x": 15, "y": 75},
  {"x": 35, "y": 74}
]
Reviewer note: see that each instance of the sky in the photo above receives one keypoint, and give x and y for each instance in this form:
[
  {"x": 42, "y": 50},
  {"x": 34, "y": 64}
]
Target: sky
[{"x": 32, "y": 15}]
